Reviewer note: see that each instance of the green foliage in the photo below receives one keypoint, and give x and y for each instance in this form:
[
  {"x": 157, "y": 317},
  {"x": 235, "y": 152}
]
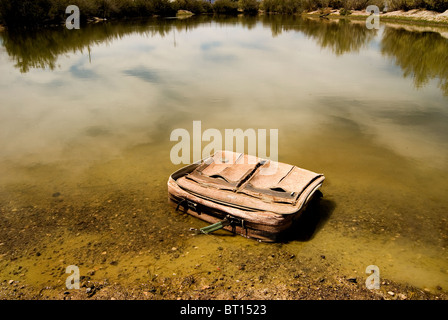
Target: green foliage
[
  {"x": 16, "y": 12},
  {"x": 379, "y": 3},
  {"x": 398, "y": 5},
  {"x": 344, "y": 12},
  {"x": 309, "y": 5},
  {"x": 269, "y": 5},
  {"x": 434, "y": 5},
  {"x": 336, "y": 4},
  {"x": 283, "y": 6},
  {"x": 356, "y": 4},
  {"x": 40, "y": 12},
  {"x": 225, "y": 7},
  {"x": 296, "y": 6},
  {"x": 195, "y": 6},
  {"x": 249, "y": 6}
]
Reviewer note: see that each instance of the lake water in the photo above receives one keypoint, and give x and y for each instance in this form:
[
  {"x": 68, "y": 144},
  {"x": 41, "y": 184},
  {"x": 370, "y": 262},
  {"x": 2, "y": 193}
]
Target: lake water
[{"x": 86, "y": 117}]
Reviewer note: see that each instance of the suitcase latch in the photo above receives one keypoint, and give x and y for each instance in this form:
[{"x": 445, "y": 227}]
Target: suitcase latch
[
  {"x": 192, "y": 206},
  {"x": 187, "y": 204}
]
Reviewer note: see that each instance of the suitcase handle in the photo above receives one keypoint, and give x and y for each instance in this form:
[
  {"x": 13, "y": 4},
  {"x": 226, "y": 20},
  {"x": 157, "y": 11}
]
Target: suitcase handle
[
  {"x": 216, "y": 226},
  {"x": 227, "y": 221}
]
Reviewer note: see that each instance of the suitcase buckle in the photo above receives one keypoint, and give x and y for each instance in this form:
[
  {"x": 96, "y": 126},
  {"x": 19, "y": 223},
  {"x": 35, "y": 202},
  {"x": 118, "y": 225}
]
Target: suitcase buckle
[
  {"x": 192, "y": 206},
  {"x": 187, "y": 204}
]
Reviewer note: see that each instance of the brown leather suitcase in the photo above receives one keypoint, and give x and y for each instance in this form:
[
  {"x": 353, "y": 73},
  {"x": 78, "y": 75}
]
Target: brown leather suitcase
[{"x": 247, "y": 195}]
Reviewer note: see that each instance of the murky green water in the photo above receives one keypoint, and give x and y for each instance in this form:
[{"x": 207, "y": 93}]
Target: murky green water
[{"x": 86, "y": 117}]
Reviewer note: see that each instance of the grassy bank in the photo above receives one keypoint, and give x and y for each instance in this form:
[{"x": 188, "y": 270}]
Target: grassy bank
[{"x": 15, "y": 13}]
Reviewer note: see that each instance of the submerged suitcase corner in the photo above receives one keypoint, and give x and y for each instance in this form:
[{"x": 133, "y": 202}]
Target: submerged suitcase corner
[{"x": 258, "y": 206}]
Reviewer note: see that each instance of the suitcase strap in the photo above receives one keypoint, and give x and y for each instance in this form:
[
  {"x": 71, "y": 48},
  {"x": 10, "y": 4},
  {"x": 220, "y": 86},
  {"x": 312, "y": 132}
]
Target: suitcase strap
[
  {"x": 216, "y": 226},
  {"x": 227, "y": 221}
]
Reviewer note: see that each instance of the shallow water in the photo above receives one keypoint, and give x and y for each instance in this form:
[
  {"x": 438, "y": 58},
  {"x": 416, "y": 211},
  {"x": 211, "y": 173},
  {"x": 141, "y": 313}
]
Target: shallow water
[{"x": 86, "y": 117}]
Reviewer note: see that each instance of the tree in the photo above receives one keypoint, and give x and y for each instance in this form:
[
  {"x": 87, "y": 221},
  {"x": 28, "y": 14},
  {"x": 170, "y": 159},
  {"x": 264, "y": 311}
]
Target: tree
[{"x": 249, "y": 6}]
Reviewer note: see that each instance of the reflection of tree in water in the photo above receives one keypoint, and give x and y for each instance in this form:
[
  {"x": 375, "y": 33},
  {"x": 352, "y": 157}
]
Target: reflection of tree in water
[
  {"x": 340, "y": 36},
  {"x": 41, "y": 48},
  {"x": 422, "y": 55}
]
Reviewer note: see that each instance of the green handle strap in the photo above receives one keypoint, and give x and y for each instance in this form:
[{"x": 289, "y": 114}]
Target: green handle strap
[{"x": 215, "y": 226}]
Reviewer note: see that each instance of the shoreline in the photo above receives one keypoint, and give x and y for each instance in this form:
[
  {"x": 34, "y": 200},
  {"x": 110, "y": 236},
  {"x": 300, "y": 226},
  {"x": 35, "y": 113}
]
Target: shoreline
[
  {"x": 414, "y": 16},
  {"x": 417, "y": 17}
]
